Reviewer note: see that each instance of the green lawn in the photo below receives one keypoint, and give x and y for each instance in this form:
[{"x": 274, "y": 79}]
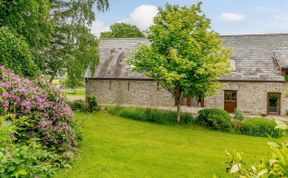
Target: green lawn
[
  {"x": 117, "y": 147},
  {"x": 79, "y": 92}
]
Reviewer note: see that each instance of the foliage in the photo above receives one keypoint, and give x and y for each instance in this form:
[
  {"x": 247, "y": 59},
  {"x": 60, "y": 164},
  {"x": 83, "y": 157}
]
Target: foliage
[
  {"x": 92, "y": 105},
  {"x": 260, "y": 127},
  {"x": 236, "y": 125},
  {"x": 239, "y": 115},
  {"x": 40, "y": 111},
  {"x": 74, "y": 47},
  {"x": 150, "y": 115},
  {"x": 286, "y": 78},
  {"x": 31, "y": 20},
  {"x": 215, "y": 118},
  {"x": 25, "y": 159},
  {"x": 89, "y": 105},
  {"x": 276, "y": 166},
  {"x": 186, "y": 56},
  {"x": 123, "y": 30},
  {"x": 77, "y": 105},
  {"x": 57, "y": 33},
  {"x": 15, "y": 54}
]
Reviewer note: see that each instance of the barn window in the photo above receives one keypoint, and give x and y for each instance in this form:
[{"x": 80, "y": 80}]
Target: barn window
[
  {"x": 285, "y": 73},
  {"x": 110, "y": 85}
]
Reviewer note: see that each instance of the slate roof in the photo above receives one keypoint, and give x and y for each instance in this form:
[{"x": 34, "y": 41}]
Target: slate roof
[{"x": 257, "y": 57}]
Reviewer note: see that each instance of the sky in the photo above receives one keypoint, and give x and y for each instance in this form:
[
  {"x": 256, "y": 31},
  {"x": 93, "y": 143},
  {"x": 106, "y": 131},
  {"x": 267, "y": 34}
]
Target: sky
[{"x": 228, "y": 16}]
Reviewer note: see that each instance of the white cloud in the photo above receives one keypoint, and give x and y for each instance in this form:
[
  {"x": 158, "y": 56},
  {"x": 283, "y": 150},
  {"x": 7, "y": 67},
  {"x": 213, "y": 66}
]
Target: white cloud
[
  {"x": 142, "y": 16},
  {"x": 232, "y": 17},
  {"x": 99, "y": 26}
]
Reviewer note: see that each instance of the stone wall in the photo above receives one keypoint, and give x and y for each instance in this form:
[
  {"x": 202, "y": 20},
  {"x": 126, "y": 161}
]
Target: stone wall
[
  {"x": 131, "y": 92},
  {"x": 251, "y": 96}
]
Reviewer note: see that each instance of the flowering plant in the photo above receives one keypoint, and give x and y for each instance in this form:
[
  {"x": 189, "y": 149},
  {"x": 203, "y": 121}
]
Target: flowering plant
[{"x": 48, "y": 117}]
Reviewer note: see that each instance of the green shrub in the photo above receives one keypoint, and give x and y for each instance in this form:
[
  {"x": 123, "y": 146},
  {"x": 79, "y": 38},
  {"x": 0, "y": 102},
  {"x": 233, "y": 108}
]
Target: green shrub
[
  {"x": 238, "y": 115},
  {"x": 260, "y": 127},
  {"x": 286, "y": 78},
  {"x": 77, "y": 105},
  {"x": 90, "y": 105},
  {"x": 15, "y": 54},
  {"x": 150, "y": 115},
  {"x": 275, "y": 166},
  {"x": 25, "y": 160},
  {"x": 215, "y": 118},
  {"x": 236, "y": 125}
]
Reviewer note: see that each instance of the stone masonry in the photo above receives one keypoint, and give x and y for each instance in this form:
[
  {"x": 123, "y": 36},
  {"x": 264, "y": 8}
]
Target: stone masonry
[
  {"x": 251, "y": 96},
  {"x": 259, "y": 62}
]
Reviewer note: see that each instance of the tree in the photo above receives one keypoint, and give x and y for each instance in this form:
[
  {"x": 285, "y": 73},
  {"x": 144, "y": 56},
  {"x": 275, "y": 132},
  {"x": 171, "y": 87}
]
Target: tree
[
  {"x": 73, "y": 48},
  {"x": 57, "y": 33},
  {"x": 15, "y": 54},
  {"x": 185, "y": 56},
  {"x": 123, "y": 30},
  {"x": 30, "y": 19}
]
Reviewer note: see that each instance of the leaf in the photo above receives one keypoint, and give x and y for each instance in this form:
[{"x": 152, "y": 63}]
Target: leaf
[
  {"x": 272, "y": 161},
  {"x": 238, "y": 155},
  {"x": 281, "y": 125},
  {"x": 273, "y": 144},
  {"x": 261, "y": 173},
  {"x": 235, "y": 168}
]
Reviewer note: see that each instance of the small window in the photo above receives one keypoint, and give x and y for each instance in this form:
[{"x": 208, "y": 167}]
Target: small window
[
  {"x": 230, "y": 95},
  {"x": 128, "y": 85},
  {"x": 233, "y": 96},
  {"x": 285, "y": 73},
  {"x": 110, "y": 85}
]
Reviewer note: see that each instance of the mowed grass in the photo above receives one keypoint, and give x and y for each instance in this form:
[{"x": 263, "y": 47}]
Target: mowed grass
[{"x": 117, "y": 147}]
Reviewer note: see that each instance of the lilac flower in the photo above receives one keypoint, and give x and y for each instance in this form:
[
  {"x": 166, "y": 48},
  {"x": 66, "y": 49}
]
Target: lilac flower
[
  {"x": 17, "y": 99},
  {"x": 5, "y": 104},
  {"x": 6, "y": 85},
  {"x": 25, "y": 104},
  {"x": 44, "y": 125},
  {"x": 5, "y": 95},
  {"x": 38, "y": 100}
]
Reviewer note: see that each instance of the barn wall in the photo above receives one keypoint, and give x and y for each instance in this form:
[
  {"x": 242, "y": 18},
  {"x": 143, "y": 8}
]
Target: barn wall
[
  {"x": 251, "y": 96},
  {"x": 132, "y": 92}
]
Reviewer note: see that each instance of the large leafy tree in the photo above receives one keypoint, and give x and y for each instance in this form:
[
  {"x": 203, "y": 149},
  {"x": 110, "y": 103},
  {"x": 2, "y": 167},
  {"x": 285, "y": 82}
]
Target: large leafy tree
[
  {"x": 123, "y": 30},
  {"x": 57, "y": 33},
  {"x": 186, "y": 56},
  {"x": 15, "y": 54},
  {"x": 31, "y": 20},
  {"x": 73, "y": 48}
]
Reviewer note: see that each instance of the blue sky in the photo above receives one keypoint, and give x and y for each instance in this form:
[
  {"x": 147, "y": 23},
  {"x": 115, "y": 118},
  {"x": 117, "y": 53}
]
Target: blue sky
[{"x": 228, "y": 16}]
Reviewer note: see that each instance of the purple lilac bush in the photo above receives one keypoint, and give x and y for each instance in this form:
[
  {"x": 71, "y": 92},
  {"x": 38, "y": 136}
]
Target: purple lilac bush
[{"x": 49, "y": 118}]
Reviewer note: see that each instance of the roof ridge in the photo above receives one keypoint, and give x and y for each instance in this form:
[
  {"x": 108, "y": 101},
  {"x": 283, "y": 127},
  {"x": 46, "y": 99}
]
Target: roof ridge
[
  {"x": 221, "y": 35},
  {"x": 254, "y": 34},
  {"x": 111, "y": 39}
]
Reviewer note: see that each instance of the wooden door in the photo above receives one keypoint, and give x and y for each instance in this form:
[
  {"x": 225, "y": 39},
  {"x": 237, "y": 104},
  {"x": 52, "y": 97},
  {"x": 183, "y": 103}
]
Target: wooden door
[
  {"x": 274, "y": 103},
  {"x": 230, "y": 100}
]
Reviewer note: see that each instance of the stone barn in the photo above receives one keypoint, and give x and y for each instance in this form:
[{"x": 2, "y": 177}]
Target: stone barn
[{"x": 256, "y": 85}]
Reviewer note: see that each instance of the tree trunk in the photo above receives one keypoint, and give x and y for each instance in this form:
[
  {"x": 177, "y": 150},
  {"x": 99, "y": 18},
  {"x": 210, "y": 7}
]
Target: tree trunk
[
  {"x": 178, "y": 104},
  {"x": 178, "y": 111}
]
